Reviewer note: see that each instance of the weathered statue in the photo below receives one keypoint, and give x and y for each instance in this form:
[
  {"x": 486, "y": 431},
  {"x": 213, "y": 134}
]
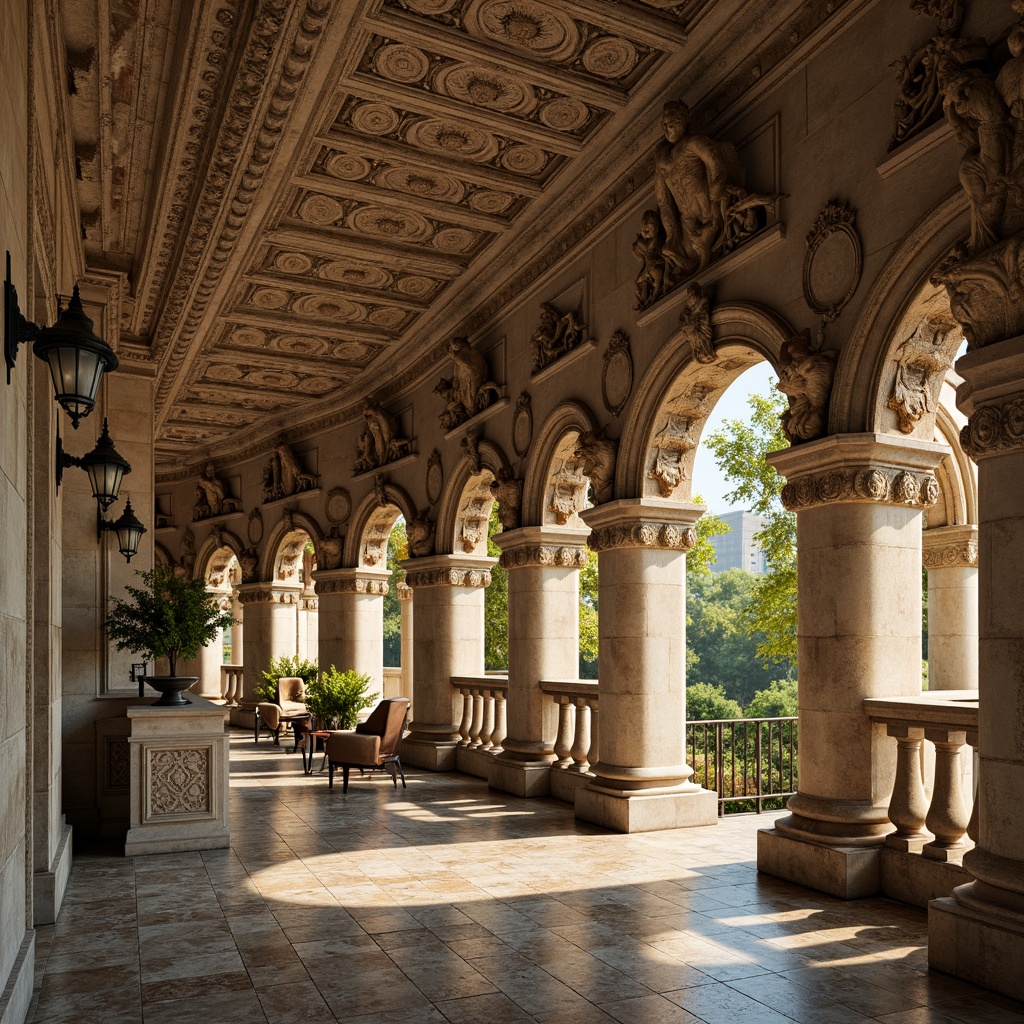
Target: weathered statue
[
  {"x": 283, "y": 476},
  {"x": 597, "y": 453},
  {"x": 695, "y": 322},
  {"x": 921, "y": 360},
  {"x": 467, "y": 391},
  {"x": 805, "y": 377},
  {"x": 557, "y": 334},
  {"x": 654, "y": 279},
  {"x": 508, "y": 492},
  {"x": 211, "y": 499},
  {"x": 379, "y": 443},
  {"x": 329, "y": 556},
  {"x": 420, "y": 534}
]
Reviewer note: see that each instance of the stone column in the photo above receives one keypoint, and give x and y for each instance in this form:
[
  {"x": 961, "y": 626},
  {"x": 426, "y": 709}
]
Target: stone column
[
  {"x": 405, "y": 597},
  {"x": 978, "y": 933},
  {"x": 951, "y": 558},
  {"x": 309, "y": 610},
  {"x": 208, "y": 669},
  {"x": 237, "y": 633},
  {"x": 858, "y": 500},
  {"x": 351, "y": 616},
  {"x": 543, "y": 566},
  {"x": 269, "y": 633},
  {"x": 642, "y": 780},
  {"x": 448, "y": 603}
]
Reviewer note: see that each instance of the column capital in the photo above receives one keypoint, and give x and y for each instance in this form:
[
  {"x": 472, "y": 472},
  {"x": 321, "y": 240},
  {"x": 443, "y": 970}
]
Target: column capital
[
  {"x": 950, "y": 546},
  {"x": 992, "y": 396},
  {"x": 268, "y": 593},
  {"x": 880, "y": 469},
  {"x": 546, "y": 546},
  {"x": 359, "y": 580},
  {"x": 448, "y": 571},
  {"x": 403, "y": 591},
  {"x": 642, "y": 523}
]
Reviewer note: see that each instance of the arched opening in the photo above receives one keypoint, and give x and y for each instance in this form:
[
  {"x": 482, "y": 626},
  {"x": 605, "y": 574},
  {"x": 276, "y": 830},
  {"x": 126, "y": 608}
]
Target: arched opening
[{"x": 294, "y": 563}]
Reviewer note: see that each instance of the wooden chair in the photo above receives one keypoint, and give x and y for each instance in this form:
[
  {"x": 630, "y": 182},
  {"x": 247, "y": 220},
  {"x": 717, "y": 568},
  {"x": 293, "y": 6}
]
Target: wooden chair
[{"x": 375, "y": 743}]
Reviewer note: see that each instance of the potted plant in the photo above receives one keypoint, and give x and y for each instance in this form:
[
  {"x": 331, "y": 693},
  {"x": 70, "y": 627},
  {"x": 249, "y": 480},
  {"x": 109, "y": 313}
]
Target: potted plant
[
  {"x": 169, "y": 617},
  {"x": 280, "y": 667},
  {"x": 336, "y": 698}
]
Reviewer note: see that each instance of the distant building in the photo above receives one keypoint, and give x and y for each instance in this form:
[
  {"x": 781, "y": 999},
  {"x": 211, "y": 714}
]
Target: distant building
[{"x": 737, "y": 549}]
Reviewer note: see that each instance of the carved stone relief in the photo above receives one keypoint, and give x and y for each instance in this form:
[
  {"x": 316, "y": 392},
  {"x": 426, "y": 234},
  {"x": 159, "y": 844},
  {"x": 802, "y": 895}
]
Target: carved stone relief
[
  {"x": 567, "y": 556},
  {"x": 468, "y": 391},
  {"x": 211, "y": 497},
  {"x": 338, "y": 506},
  {"x": 420, "y": 534},
  {"x": 330, "y": 552},
  {"x": 179, "y": 781},
  {"x": 805, "y": 377},
  {"x": 557, "y": 334},
  {"x": 597, "y": 454},
  {"x": 921, "y": 362},
  {"x": 568, "y": 489},
  {"x": 668, "y": 536},
  {"x": 471, "y": 531},
  {"x": 435, "y": 477},
  {"x": 254, "y": 528},
  {"x": 617, "y": 373},
  {"x": 695, "y": 322},
  {"x": 375, "y": 542},
  {"x": 671, "y": 443},
  {"x": 507, "y": 490},
  {"x": 833, "y": 262},
  {"x": 249, "y": 561},
  {"x": 993, "y": 429},
  {"x": 861, "y": 484},
  {"x": 470, "y": 446},
  {"x": 380, "y": 443},
  {"x": 284, "y": 477},
  {"x": 522, "y": 425},
  {"x": 188, "y": 549}
]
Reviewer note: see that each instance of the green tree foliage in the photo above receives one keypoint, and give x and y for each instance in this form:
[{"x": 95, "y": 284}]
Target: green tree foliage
[
  {"x": 705, "y": 703},
  {"x": 495, "y": 603},
  {"x": 740, "y": 447},
  {"x": 398, "y": 549},
  {"x": 777, "y": 701},
  {"x": 721, "y": 637},
  {"x": 701, "y": 556},
  {"x": 588, "y": 617}
]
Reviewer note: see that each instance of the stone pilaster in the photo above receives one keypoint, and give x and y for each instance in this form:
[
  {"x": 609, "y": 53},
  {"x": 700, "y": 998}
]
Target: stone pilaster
[
  {"x": 351, "y": 617},
  {"x": 270, "y": 619},
  {"x": 448, "y": 604},
  {"x": 978, "y": 931},
  {"x": 951, "y": 558},
  {"x": 543, "y": 566},
  {"x": 858, "y": 499},
  {"x": 405, "y": 598},
  {"x": 642, "y": 779}
]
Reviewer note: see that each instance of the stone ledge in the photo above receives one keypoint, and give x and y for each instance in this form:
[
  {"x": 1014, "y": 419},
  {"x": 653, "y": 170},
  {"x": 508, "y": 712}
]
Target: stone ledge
[
  {"x": 847, "y": 872},
  {"x": 437, "y": 756},
  {"x": 48, "y": 886},
  {"x": 17, "y": 993},
  {"x": 520, "y": 779},
  {"x": 917, "y": 880},
  {"x": 640, "y": 812}
]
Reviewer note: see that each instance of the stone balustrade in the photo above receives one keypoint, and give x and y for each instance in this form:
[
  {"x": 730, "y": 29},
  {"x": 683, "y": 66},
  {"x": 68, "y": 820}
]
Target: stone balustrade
[
  {"x": 576, "y": 742},
  {"x": 483, "y": 726},
  {"x": 393, "y": 683},
  {"x": 231, "y": 684},
  {"x": 930, "y": 805}
]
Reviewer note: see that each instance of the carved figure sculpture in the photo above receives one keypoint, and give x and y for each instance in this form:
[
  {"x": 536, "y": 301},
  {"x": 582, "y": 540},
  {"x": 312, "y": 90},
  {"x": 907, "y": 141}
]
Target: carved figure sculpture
[
  {"x": 654, "y": 279},
  {"x": 556, "y": 335},
  {"x": 470, "y": 446},
  {"x": 211, "y": 499},
  {"x": 283, "y": 476},
  {"x": 420, "y": 534},
  {"x": 671, "y": 443},
  {"x": 508, "y": 492},
  {"x": 597, "y": 453},
  {"x": 379, "y": 443},
  {"x": 248, "y": 561},
  {"x": 805, "y": 377},
  {"x": 467, "y": 391},
  {"x": 920, "y": 360},
  {"x": 695, "y": 322},
  {"x": 330, "y": 553}
]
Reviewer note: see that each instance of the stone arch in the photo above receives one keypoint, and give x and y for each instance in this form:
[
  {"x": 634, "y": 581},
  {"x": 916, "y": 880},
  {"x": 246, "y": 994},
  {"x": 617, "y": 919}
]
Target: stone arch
[
  {"x": 161, "y": 556},
  {"x": 901, "y": 290},
  {"x": 285, "y": 534},
  {"x": 555, "y": 488},
  {"x": 366, "y": 544},
  {"x": 466, "y": 504},
  {"x": 957, "y": 474},
  {"x": 223, "y": 547},
  {"x": 677, "y": 393}
]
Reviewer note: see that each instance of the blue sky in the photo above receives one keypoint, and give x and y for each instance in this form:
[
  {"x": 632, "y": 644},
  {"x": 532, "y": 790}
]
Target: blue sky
[{"x": 707, "y": 480}]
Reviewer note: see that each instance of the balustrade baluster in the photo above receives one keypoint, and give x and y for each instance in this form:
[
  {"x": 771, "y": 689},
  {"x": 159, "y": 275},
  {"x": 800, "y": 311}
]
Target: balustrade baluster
[
  {"x": 564, "y": 736},
  {"x": 500, "y": 723},
  {"x": 467, "y": 715},
  {"x": 478, "y": 718},
  {"x": 947, "y": 817},
  {"x": 488, "y": 723},
  {"x": 581, "y": 744},
  {"x": 908, "y": 805}
]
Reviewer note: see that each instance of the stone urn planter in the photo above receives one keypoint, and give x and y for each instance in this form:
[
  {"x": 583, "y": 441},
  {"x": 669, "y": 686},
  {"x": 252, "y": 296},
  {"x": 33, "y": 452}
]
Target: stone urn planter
[{"x": 171, "y": 689}]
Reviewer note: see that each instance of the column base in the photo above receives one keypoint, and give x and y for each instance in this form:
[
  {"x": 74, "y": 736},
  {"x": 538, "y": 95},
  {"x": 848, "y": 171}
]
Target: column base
[
  {"x": 17, "y": 993},
  {"x": 48, "y": 886},
  {"x": 847, "y": 872},
  {"x": 916, "y": 880},
  {"x": 643, "y": 811},
  {"x": 563, "y": 784},
  {"x": 474, "y": 761},
  {"x": 434, "y": 755},
  {"x": 175, "y": 840},
  {"x": 976, "y": 947},
  {"x": 523, "y": 778}
]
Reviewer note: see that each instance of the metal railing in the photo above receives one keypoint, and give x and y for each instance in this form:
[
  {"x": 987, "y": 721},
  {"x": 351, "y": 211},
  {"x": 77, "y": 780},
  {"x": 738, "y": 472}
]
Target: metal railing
[{"x": 748, "y": 762}]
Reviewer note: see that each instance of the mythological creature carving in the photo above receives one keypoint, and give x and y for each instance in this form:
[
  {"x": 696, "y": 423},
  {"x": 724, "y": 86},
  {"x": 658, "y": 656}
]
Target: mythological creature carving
[
  {"x": 568, "y": 491},
  {"x": 507, "y": 490},
  {"x": 467, "y": 391},
  {"x": 248, "y": 562},
  {"x": 921, "y": 361},
  {"x": 211, "y": 497},
  {"x": 695, "y": 322},
  {"x": 805, "y": 377},
  {"x": 470, "y": 446},
  {"x": 283, "y": 476},
  {"x": 597, "y": 454},
  {"x": 379, "y": 442},
  {"x": 556, "y": 335},
  {"x": 330, "y": 553},
  {"x": 671, "y": 443},
  {"x": 420, "y": 534},
  {"x": 654, "y": 279}
]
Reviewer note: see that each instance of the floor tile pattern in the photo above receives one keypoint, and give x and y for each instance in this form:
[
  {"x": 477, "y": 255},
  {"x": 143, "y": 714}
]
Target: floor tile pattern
[{"x": 449, "y": 903}]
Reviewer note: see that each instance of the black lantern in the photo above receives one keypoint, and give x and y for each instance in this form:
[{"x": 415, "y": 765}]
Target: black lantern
[
  {"x": 76, "y": 356},
  {"x": 128, "y": 529},
  {"x": 104, "y": 466}
]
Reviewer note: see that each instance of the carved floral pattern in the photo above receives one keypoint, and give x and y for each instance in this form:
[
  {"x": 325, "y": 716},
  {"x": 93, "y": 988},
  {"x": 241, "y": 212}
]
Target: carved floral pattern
[
  {"x": 179, "y": 781},
  {"x": 867, "y": 484},
  {"x": 563, "y": 556},
  {"x": 641, "y": 534},
  {"x": 378, "y": 588},
  {"x": 993, "y": 429},
  {"x": 959, "y": 555},
  {"x": 448, "y": 578}
]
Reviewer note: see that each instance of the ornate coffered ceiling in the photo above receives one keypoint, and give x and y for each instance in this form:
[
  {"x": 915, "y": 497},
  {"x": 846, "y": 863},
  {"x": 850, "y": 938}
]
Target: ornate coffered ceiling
[{"x": 308, "y": 197}]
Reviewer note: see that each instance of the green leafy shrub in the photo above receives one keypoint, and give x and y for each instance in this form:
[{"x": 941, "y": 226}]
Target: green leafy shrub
[
  {"x": 336, "y": 698},
  {"x": 280, "y": 668},
  {"x": 168, "y": 617}
]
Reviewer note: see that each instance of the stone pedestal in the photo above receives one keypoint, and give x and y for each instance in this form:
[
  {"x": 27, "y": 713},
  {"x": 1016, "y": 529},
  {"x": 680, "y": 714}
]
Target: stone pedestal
[
  {"x": 179, "y": 778},
  {"x": 448, "y": 602},
  {"x": 270, "y": 632},
  {"x": 858, "y": 499},
  {"x": 405, "y": 597},
  {"x": 642, "y": 781},
  {"x": 543, "y": 566},
  {"x": 951, "y": 558},
  {"x": 351, "y": 615},
  {"x": 978, "y": 934}
]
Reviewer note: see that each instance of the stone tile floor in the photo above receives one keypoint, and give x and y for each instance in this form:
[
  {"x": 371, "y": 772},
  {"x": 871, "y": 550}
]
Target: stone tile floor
[{"x": 447, "y": 902}]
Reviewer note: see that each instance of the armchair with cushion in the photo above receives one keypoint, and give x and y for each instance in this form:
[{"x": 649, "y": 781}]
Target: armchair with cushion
[
  {"x": 375, "y": 743},
  {"x": 289, "y": 708}
]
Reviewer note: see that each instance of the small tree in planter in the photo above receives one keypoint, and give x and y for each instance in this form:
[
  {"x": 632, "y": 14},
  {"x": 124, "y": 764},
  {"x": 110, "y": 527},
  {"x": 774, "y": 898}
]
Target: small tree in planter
[
  {"x": 336, "y": 698},
  {"x": 167, "y": 617}
]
